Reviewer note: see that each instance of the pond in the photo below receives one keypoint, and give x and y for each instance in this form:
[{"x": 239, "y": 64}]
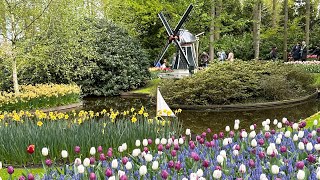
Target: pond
[{"x": 200, "y": 121}]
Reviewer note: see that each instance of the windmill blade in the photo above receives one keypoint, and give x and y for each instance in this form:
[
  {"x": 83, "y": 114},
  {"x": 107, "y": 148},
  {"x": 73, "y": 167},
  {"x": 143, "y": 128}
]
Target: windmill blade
[
  {"x": 165, "y": 23},
  {"x": 164, "y": 50},
  {"x": 182, "y": 52},
  {"x": 183, "y": 19}
]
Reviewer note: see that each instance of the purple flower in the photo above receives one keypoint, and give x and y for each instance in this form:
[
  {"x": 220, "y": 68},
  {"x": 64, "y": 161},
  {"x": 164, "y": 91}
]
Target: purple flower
[
  {"x": 300, "y": 164},
  {"x": 171, "y": 164},
  {"x": 209, "y": 130},
  {"x": 205, "y": 163},
  {"x": 302, "y": 124},
  {"x": 283, "y": 149},
  {"x": 160, "y": 147},
  {"x": 164, "y": 174},
  {"x": 198, "y": 138},
  {"x": 48, "y": 162},
  {"x": 260, "y": 142},
  {"x": 218, "y": 168},
  {"x": 10, "y": 170},
  {"x": 100, "y": 149},
  {"x": 102, "y": 157},
  {"x": 267, "y": 135},
  {"x": 215, "y": 136},
  {"x": 221, "y": 135},
  {"x": 77, "y": 149},
  {"x": 237, "y": 147},
  {"x": 318, "y": 130},
  {"x": 92, "y": 176},
  {"x": 108, "y": 172},
  {"x": 305, "y": 141},
  {"x": 204, "y": 134},
  {"x": 311, "y": 158},
  {"x": 176, "y": 147},
  {"x": 262, "y": 155},
  {"x": 30, "y": 176},
  {"x": 273, "y": 131},
  {"x": 231, "y": 134},
  {"x": 92, "y": 160},
  {"x": 318, "y": 139},
  {"x": 173, "y": 153},
  {"x": 22, "y": 178},
  {"x": 124, "y": 177},
  {"x": 252, "y": 163},
  {"x": 168, "y": 146},
  {"x": 145, "y": 149},
  {"x": 177, "y": 166},
  {"x": 124, "y": 160},
  {"x": 149, "y": 141},
  {"x": 201, "y": 141}
]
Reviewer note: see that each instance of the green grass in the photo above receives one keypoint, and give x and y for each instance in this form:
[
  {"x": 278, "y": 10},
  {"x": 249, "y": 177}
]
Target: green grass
[
  {"x": 317, "y": 80},
  {"x": 18, "y": 172},
  {"x": 310, "y": 119},
  {"x": 149, "y": 88}
]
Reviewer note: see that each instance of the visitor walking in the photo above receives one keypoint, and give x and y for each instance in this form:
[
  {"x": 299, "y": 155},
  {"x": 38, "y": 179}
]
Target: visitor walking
[
  {"x": 274, "y": 53},
  {"x": 230, "y": 56},
  {"x": 222, "y": 55},
  {"x": 304, "y": 51},
  {"x": 204, "y": 58},
  {"x": 317, "y": 52},
  {"x": 295, "y": 52}
]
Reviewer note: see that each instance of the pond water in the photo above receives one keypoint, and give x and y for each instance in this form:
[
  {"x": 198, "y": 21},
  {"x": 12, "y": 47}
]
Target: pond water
[{"x": 200, "y": 121}]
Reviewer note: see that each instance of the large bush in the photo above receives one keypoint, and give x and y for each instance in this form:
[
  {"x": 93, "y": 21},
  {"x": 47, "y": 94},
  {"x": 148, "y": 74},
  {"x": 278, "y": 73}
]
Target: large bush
[
  {"x": 239, "y": 82},
  {"x": 97, "y": 55}
]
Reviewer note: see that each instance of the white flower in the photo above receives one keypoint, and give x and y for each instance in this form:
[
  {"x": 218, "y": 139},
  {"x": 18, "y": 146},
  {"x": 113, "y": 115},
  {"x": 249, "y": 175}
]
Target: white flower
[
  {"x": 242, "y": 168},
  {"x": 120, "y": 149},
  {"x": 237, "y": 121},
  {"x": 280, "y": 136},
  {"x": 275, "y": 122},
  {"x": 301, "y": 146},
  {"x": 121, "y": 173},
  {"x": 223, "y": 154},
  {"x": 184, "y": 178},
  {"x": 201, "y": 178},
  {"x": 315, "y": 122},
  {"x": 163, "y": 141},
  {"x": 138, "y": 143},
  {"x": 45, "y": 151},
  {"x": 114, "y": 164},
  {"x": 287, "y": 134},
  {"x": 252, "y": 127},
  {"x": 244, "y": 134},
  {"x": 169, "y": 141},
  {"x": 160, "y": 153},
  {"x": 181, "y": 141},
  {"x": 295, "y": 137},
  {"x": 300, "y": 134},
  {"x": 227, "y": 128},
  {"x": 64, "y": 154},
  {"x": 225, "y": 141},
  {"x": 252, "y": 134},
  {"x": 278, "y": 141},
  {"x": 300, "y": 175},
  {"x": 77, "y": 161},
  {"x": 155, "y": 165},
  {"x": 112, "y": 178},
  {"x": 269, "y": 150},
  {"x": 263, "y": 177},
  {"x": 188, "y": 132},
  {"x": 236, "y": 126},
  {"x": 318, "y": 175},
  {"x": 254, "y": 143},
  {"x": 200, "y": 173},
  {"x": 145, "y": 142},
  {"x": 86, "y": 162},
  {"x": 275, "y": 169},
  {"x": 129, "y": 165},
  {"x": 266, "y": 127},
  {"x": 193, "y": 176},
  {"x": 235, "y": 152},
  {"x": 136, "y": 152},
  {"x": 220, "y": 159},
  {"x": 217, "y": 174},
  {"x": 309, "y": 146},
  {"x": 143, "y": 170},
  {"x": 81, "y": 169},
  {"x": 317, "y": 147},
  {"x": 157, "y": 141},
  {"x": 273, "y": 145},
  {"x": 264, "y": 123},
  {"x": 279, "y": 125},
  {"x": 148, "y": 157},
  {"x": 92, "y": 151},
  {"x": 313, "y": 133},
  {"x": 124, "y": 146},
  {"x": 0, "y": 165},
  {"x": 268, "y": 121},
  {"x": 284, "y": 120},
  {"x": 143, "y": 154},
  {"x": 176, "y": 142},
  {"x": 295, "y": 126}
]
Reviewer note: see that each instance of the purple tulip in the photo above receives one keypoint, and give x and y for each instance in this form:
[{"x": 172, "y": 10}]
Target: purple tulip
[
  {"x": 48, "y": 162},
  {"x": 318, "y": 130},
  {"x": 30, "y": 176},
  {"x": 110, "y": 149},
  {"x": 273, "y": 131},
  {"x": 208, "y": 144},
  {"x": 305, "y": 141},
  {"x": 173, "y": 153},
  {"x": 204, "y": 134},
  {"x": 92, "y": 160},
  {"x": 260, "y": 142},
  {"x": 218, "y": 168},
  {"x": 221, "y": 135},
  {"x": 168, "y": 146},
  {"x": 302, "y": 124},
  {"x": 267, "y": 135},
  {"x": 205, "y": 163},
  {"x": 253, "y": 151},
  {"x": 164, "y": 174},
  {"x": 100, "y": 150},
  {"x": 109, "y": 153},
  {"x": 192, "y": 146},
  {"x": 22, "y": 178},
  {"x": 171, "y": 164},
  {"x": 212, "y": 143},
  {"x": 196, "y": 157},
  {"x": 283, "y": 149},
  {"x": 252, "y": 163},
  {"x": 215, "y": 136},
  {"x": 177, "y": 166},
  {"x": 102, "y": 157},
  {"x": 311, "y": 158},
  {"x": 300, "y": 164},
  {"x": 145, "y": 149},
  {"x": 124, "y": 177},
  {"x": 149, "y": 141},
  {"x": 198, "y": 138},
  {"x": 237, "y": 147},
  {"x": 124, "y": 160},
  {"x": 92, "y": 176},
  {"x": 160, "y": 147},
  {"x": 318, "y": 139},
  {"x": 309, "y": 135},
  {"x": 10, "y": 170},
  {"x": 108, "y": 172},
  {"x": 209, "y": 130},
  {"x": 201, "y": 141},
  {"x": 231, "y": 134},
  {"x": 176, "y": 147},
  {"x": 77, "y": 149},
  {"x": 262, "y": 155}
]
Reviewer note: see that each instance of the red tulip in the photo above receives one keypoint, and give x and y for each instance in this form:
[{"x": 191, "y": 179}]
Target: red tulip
[{"x": 30, "y": 149}]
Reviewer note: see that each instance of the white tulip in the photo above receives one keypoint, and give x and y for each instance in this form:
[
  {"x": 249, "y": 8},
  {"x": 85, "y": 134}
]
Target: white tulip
[
  {"x": 275, "y": 122},
  {"x": 201, "y": 178},
  {"x": 280, "y": 136},
  {"x": 45, "y": 151},
  {"x": 124, "y": 146},
  {"x": 295, "y": 126},
  {"x": 317, "y": 147},
  {"x": 309, "y": 146},
  {"x": 244, "y": 134},
  {"x": 217, "y": 174},
  {"x": 242, "y": 168},
  {"x": 138, "y": 143},
  {"x": 268, "y": 121},
  {"x": 295, "y": 137},
  {"x": 227, "y": 128},
  {"x": 275, "y": 169},
  {"x": 81, "y": 169},
  {"x": 267, "y": 127},
  {"x": 273, "y": 146},
  {"x": 155, "y": 165},
  {"x": 136, "y": 152},
  {"x": 252, "y": 127},
  {"x": 225, "y": 141},
  {"x": 223, "y": 154},
  {"x": 0, "y": 165},
  {"x": 120, "y": 149},
  {"x": 92, "y": 151},
  {"x": 148, "y": 157},
  {"x": 284, "y": 120},
  {"x": 143, "y": 154},
  {"x": 301, "y": 146},
  {"x": 129, "y": 165},
  {"x": 157, "y": 141},
  {"x": 220, "y": 159},
  {"x": 163, "y": 141},
  {"x": 301, "y": 175},
  {"x": 77, "y": 161},
  {"x": 64, "y": 154},
  {"x": 170, "y": 141},
  {"x": 315, "y": 122},
  {"x": 252, "y": 134},
  {"x": 200, "y": 173},
  {"x": 193, "y": 176},
  {"x": 235, "y": 152},
  {"x": 263, "y": 177},
  {"x": 278, "y": 141},
  {"x": 269, "y": 150},
  {"x": 236, "y": 126},
  {"x": 254, "y": 143},
  {"x": 181, "y": 141},
  {"x": 287, "y": 134},
  {"x": 264, "y": 123},
  {"x": 300, "y": 134},
  {"x": 188, "y": 132},
  {"x": 176, "y": 142},
  {"x": 114, "y": 164},
  {"x": 112, "y": 178},
  {"x": 313, "y": 133},
  {"x": 279, "y": 125},
  {"x": 160, "y": 153},
  {"x": 143, "y": 170},
  {"x": 318, "y": 175},
  {"x": 121, "y": 173},
  {"x": 86, "y": 162},
  {"x": 145, "y": 142},
  {"x": 184, "y": 178},
  {"x": 237, "y": 121}
]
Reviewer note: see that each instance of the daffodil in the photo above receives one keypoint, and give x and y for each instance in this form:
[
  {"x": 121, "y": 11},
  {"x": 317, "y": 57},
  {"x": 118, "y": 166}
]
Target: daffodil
[
  {"x": 39, "y": 123},
  {"x": 133, "y": 119}
]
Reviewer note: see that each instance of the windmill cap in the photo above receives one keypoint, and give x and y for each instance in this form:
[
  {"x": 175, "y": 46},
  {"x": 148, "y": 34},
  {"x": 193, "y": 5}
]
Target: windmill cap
[{"x": 186, "y": 37}]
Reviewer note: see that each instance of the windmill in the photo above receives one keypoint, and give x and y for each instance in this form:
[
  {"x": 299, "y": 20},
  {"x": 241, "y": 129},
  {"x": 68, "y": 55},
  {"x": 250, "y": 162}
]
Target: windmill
[{"x": 184, "y": 41}]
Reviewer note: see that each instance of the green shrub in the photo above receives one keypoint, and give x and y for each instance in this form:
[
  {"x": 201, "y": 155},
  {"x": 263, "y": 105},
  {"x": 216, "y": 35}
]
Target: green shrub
[{"x": 239, "y": 82}]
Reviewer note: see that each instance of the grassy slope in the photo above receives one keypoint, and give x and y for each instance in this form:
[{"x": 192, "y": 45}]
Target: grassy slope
[
  {"x": 18, "y": 172},
  {"x": 317, "y": 80},
  {"x": 150, "y": 87}
]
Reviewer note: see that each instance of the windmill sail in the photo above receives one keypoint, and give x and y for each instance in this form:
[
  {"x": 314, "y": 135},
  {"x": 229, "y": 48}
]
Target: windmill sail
[{"x": 162, "y": 107}]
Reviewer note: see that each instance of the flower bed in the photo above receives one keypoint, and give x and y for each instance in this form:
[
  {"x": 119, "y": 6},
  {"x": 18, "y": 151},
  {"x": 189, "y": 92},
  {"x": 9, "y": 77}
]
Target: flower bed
[
  {"x": 39, "y": 96},
  {"x": 290, "y": 152},
  {"x": 309, "y": 66}
]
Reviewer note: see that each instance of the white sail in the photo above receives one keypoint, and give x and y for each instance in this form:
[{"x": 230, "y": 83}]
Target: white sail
[{"x": 162, "y": 107}]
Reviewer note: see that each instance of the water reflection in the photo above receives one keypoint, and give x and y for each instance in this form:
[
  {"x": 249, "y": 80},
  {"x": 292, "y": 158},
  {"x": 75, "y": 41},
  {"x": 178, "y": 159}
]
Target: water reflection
[{"x": 200, "y": 121}]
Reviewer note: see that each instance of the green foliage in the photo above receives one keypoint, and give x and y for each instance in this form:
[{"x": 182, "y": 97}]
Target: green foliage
[{"x": 239, "y": 82}]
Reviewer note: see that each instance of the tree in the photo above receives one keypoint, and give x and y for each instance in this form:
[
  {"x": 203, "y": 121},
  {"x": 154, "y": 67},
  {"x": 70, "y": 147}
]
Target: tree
[
  {"x": 211, "y": 46},
  {"x": 274, "y": 13},
  {"x": 307, "y": 22},
  {"x": 285, "y": 38},
  {"x": 256, "y": 27}
]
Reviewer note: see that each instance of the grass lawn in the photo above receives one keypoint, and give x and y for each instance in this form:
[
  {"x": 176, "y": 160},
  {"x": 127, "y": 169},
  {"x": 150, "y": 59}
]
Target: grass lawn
[
  {"x": 310, "y": 119},
  {"x": 150, "y": 87},
  {"x": 317, "y": 80},
  {"x": 18, "y": 172}
]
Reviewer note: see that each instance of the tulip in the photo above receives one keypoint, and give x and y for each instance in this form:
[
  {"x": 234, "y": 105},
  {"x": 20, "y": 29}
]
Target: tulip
[
  {"x": 181, "y": 141},
  {"x": 92, "y": 160},
  {"x": 124, "y": 160},
  {"x": 279, "y": 125},
  {"x": 311, "y": 158},
  {"x": 251, "y": 127},
  {"x": 317, "y": 147},
  {"x": 251, "y": 163},
  {"x": 138, "y": 143},
  {"x": 287, "y": 134},
  {"x": 112, "y": 178},
  {"x": 227, "y": 128},
  {"x": 77, "y": 149},
  {"x": 164, "y": 174},
  {"x": 284, "y": 120},
  {"x": 242, "y": 169},
  {"x": 209, "y": 130},
  {"x": 295, "y": 137},
  {"x": 148, "y": 157},
  {"x": 236, "y": 126},
  {"x": 173, "y": 153},
  {"x": 64, "y": 154},
  {"x": 102, "y": 157},
  {"x": 45, "y": 151},
  {"x": 188, "y": 132},
  {"x": 149, "y": 141},
  {"x": 128, "y": 165},
  {"x": 262, "y": 155},
  {"x": 177, "y": 166},
  {"x": 220, "y": 159},
  {"x": 301, "y": 175},
  {"x": 318, "y": 175},
  {"x": 261, "y": 142},
  {"x": 92, "y": 176},
  {"x": 86, "y": 162},
  {"x": 301, "y": 146},
  {"x": 92, "y": 151},
  {"x": 235, "y": 152},
  {"x": 81, "y": 169},
  {"x": 254, "y": 143},
  {"x": 163, "y": 141},
  {"x": 199, "y": 173},
  {"x": 157, "y": 141},
  {"x": 136, "y": 152},
  {"x": 283, "y": 149},
  {"x": 155, "y": 165},
  {"x": 295, "y": 126},
  {"x": 144, "y": 142},
  {"x": 30, "y": 149},
  {"x": 309, "y": 146},
  {"x": 109, "y": 153},
  {"x": 48, "y": 162},
  {"x": 30, "y": 176},
  {"x": 315, "y": 122},
  {"x": 114, "y": 164},
  {"x": 171, "y": 164},
  {"x": 123, "y": 177},
  {"x": 77, "y": 161},
  {"x": 108, "y": 172},
  {"x": 205, "y": 163},
  {"x": 268, "y": 121},
  {"x": 143, "y": 170},
  {"x": 275, "y": 122},
  {"x": 275, "y": 169},
  {"x": 21, "y": 178},
  {"x": 217, "y": 174},
  {"x": 121, "y": 173},
  {"x": 10, "y": 170},
  {"x": 99, "y": 149}
]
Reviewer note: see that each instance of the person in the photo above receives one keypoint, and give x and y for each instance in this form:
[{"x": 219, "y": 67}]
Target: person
[
  {"x": 317, "y": 52},
  {"x": 204, "y": 57},
  {"x": 230, "y": 56},
  {"x": 295, "y": 52},
  {"x": 221, "y": 55},
  {"x": 304, "y": 51},
  {"x": 163, "y": 65},
  {"x": 274, "y": 53}
]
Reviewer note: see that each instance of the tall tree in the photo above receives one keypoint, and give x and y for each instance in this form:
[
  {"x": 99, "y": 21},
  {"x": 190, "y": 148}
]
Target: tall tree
[
  {"x": 274, "y": 13},
  {"x": 307, "y": 21},
  {"x": 285, "y": 30},
  {"x": 218, "y": 11},
  {"x": 211, "y": 45},
  {"x": 256, "y": 27}
]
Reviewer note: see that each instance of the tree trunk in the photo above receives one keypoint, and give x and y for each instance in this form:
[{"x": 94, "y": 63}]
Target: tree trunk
[
  {"x": 285, "y": 38},
  {"x": 274, "y": 14},
  {"x": 13, "y": 57},
  {"x": 211, "y": 46},
  {"x": 256, "y": 28},
  {"x": 307, "y": 21},
  {"x": 217, "y": 19}
]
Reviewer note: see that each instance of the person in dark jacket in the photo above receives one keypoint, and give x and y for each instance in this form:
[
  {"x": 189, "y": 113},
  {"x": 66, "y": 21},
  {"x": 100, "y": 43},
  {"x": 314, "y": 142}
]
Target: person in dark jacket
[
  {"x": 304, "y": 51},
  {"x": 295, "y": 52},
  {"x": 317, "y": 52}
]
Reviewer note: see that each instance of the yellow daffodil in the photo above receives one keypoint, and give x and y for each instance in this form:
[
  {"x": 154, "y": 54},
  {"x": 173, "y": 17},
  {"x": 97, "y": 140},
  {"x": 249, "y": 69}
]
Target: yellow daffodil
[
  {"x": 39, "y": 123},
  {"x": 133, "y": 119},
  {"x": 145, "y": 114},
  {"x": 132, "y": 109}
]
